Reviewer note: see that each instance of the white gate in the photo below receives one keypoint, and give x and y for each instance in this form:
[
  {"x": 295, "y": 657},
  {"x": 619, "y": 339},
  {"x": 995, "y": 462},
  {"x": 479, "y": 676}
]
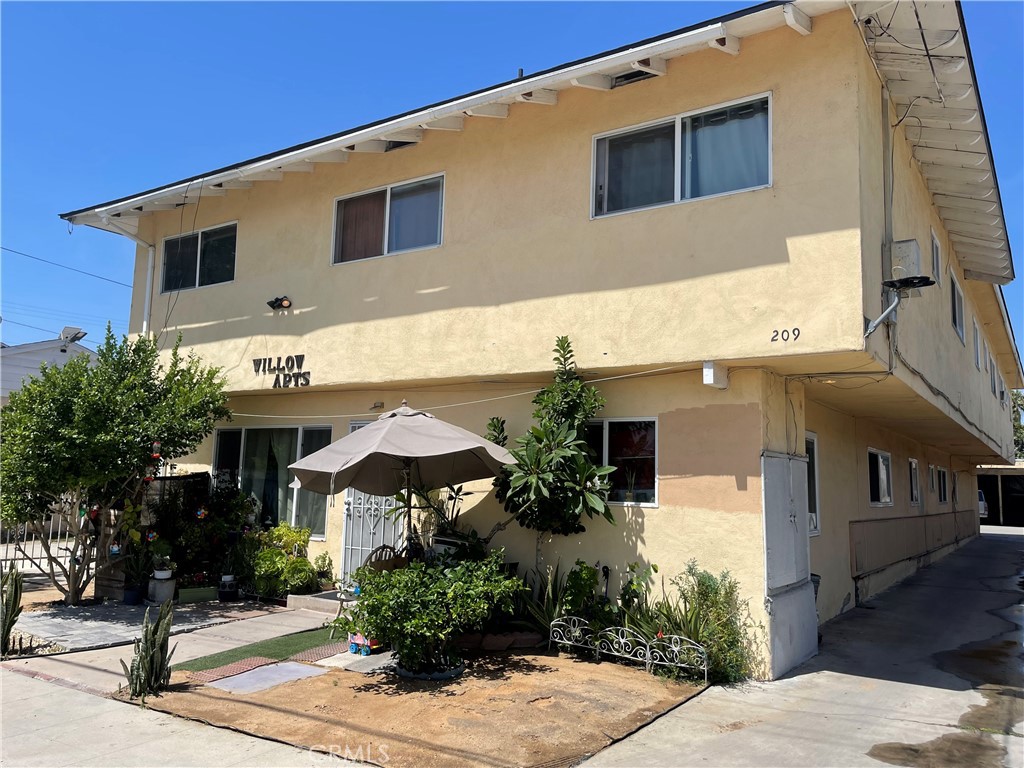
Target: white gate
[
  {"x": 367, "y": 525},
  {"x": 21, "y": 546}
]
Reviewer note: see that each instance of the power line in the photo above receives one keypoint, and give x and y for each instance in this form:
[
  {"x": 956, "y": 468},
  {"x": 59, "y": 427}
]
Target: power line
[
  {"x": 64, "y": 266},
  {"x": 4, "y": 320}
]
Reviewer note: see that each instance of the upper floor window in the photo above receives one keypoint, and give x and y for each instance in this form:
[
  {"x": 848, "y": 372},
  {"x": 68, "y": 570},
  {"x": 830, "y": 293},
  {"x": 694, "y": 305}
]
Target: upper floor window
[
  {"x": 977, "y": 346},
  {"x": 956, "y": 297},
  {"x": 397, "y": 218},
  {"x": 631, "y": 446},
  {"x": 936, "y": 259},
  {"x": 915, "y": 484},
  {"x": 992, "y": 374},
  {"x": 721, "y": 150},
  {"x": 201, "y": 258},
  {"x": 879, "y": 478}
]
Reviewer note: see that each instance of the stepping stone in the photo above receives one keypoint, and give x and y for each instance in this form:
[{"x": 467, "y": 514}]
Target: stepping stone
[
  {"x": 320, "y": 652},
  {"x": 262, "y": 678},
  {"x": 229, "y": 670}
]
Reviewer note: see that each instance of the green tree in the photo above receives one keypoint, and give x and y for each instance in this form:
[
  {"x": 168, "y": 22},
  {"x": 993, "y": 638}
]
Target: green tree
[
  {"x": 1017, "y": 401},
  {"x": 555, "y": 481},
  {"x": 78, "y": 443}
]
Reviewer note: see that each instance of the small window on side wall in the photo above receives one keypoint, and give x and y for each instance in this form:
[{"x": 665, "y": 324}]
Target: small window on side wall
[
  {"x": 915, "y": 484},
  {"x": 879, "y": 478},
  {"x": 942, "y": 479},
  {"x": 813, "y": 522},
  {"x": 956, "y": 297},
  {"x": 200, "y": 258},
  {"x": 936, "y": 260}
]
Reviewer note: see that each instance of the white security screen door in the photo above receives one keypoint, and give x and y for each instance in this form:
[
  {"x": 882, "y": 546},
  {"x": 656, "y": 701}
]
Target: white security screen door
[{"x": 367, "y": 525}]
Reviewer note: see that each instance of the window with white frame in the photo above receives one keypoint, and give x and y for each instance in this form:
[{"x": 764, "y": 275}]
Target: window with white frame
[
  {"x": 992, "y": 374},
  {"x": 879, "y": 477},
  {"x": 1002, "y": 392},
  {"x": 936, "y": 259},
  {"x": 977, "y": 346},
  {"x": 915, "y": 484},
  {"x": 984, "y": 353},
  {"x": 931, "y": 478},
  {"x": 956, "y": 298},
  {"x": 811, "y": 446},
  {"x": 258, "y": 458},
  {"x": 200, "y": 258},
  {"x": 724, "y": 149},
  {"x": 956, "y": 490},
  {"x": 942, "y": 481},
  {"x": 631, "y": 446},
  {"x": 401, "y": 217}
]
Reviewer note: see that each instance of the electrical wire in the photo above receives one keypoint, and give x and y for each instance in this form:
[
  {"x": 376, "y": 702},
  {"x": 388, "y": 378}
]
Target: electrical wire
[{"x": 64, "y": 266}]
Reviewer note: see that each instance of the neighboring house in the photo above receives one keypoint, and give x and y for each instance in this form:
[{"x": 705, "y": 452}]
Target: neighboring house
[
  {"x": 707, "y": 215},
  {"x": 19, "y": 361}
]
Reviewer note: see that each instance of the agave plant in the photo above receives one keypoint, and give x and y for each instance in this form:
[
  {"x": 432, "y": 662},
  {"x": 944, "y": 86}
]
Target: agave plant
[
  {"x": 150, "y": 670},
  {"x": 10, "y": 605}
]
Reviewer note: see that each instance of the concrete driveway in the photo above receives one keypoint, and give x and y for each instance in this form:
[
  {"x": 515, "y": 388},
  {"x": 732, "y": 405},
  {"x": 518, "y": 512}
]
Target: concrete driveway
[{"x": 927, "y": 674}]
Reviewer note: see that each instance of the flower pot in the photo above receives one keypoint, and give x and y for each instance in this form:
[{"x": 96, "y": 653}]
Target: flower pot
[
  {"x": 133, "y": 595},
  {"x": 161, "y": 590},
  {"x": 162, "y": 574}
]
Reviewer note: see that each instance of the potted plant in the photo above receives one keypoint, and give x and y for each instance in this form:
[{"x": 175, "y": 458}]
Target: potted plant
[
  {"x": 136, "y": 572},
  {"x": 161, "y": 586},
  {"x": 228, "y": 590}
]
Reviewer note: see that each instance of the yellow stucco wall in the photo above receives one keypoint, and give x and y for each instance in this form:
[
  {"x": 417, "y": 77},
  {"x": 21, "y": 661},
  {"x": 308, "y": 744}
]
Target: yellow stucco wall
[
  {"x": 843, "y": 495},
  {"x": 709, "y": 486},
  {"x": 521, "y": 260},
  {"x": 925, "y": 337}
]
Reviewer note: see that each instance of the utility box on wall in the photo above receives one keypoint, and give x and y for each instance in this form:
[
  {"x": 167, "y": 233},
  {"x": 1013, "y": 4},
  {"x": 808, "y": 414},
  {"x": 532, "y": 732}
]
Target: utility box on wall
[{"x": 906, "y": 259}]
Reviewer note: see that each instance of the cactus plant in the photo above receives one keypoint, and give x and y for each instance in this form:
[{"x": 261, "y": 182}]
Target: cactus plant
[
  {"x": 150, "y": 670},
  {"x": 10, "y": 605}
]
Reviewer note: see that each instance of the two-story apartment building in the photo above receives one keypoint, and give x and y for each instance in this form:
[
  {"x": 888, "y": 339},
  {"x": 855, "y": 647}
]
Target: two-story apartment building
[{"x": 710, "y": 216}]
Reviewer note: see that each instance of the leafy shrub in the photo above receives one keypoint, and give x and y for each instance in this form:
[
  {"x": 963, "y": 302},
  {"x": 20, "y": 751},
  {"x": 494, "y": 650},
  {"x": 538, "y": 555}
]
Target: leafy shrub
[
  {"x": 287, "y": 538},
  {"x": 300, "y": 577},
  {"x": 420, "y": 610},
  {"x": 324, "y": 566},
  {"x": 268, "y": 571},
  {"x": 721, "y": 623}
]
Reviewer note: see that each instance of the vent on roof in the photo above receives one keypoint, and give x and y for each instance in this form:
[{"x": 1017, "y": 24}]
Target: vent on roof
[{"x": 633, "y": 76}]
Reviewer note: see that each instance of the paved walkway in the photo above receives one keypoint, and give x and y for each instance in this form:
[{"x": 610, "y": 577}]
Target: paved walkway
[
  {"x": 78, "y": 627},
  {"x": 99, "y": 671},
  {"x": 926, "y": 674}
]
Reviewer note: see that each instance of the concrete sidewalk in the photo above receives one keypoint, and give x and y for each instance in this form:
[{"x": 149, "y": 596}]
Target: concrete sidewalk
[
  {"x": 99, "y": 671},
  {"x": 49, "y": 725},
  {"x": 926, "y": 674}
]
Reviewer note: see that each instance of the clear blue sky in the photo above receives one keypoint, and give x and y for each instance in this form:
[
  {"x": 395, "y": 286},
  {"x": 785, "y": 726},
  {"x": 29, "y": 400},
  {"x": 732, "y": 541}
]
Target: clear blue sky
[{"x": 101, "y": 100}]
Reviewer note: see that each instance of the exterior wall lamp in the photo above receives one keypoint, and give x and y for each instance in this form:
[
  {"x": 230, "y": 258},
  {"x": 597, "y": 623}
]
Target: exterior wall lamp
[{"x": 280, "y": 302}]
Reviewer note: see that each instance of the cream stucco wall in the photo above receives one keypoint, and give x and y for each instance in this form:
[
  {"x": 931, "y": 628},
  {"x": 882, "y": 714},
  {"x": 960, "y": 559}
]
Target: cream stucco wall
[{"x": 521, "y": 260}]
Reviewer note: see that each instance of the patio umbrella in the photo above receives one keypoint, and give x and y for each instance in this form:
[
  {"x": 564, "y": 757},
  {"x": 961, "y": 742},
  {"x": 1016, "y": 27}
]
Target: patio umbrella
[{"x": 403, "y": 448}]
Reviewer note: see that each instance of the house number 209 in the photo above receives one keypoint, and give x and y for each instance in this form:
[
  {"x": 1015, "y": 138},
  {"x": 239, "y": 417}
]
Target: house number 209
[{"x": 786, "y": 334}]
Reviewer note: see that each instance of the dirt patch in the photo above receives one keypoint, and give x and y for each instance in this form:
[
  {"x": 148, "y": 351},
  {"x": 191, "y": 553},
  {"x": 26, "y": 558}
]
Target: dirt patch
[
  {"x": 40, "y": 597},
  {"x": 506, "y": 710},
  {"x": 953, "y": 750}
]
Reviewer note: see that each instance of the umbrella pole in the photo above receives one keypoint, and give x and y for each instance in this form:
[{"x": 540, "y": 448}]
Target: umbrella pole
[{"x": 408, "y": 502}]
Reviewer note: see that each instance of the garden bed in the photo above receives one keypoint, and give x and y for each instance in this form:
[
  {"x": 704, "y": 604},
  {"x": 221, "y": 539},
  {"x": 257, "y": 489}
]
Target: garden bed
[{"x": 506, "y": 710}]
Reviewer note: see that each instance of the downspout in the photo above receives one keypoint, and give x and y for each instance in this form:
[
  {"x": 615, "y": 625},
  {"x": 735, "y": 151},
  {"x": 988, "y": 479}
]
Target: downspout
[{"x": 147, "y": 304}]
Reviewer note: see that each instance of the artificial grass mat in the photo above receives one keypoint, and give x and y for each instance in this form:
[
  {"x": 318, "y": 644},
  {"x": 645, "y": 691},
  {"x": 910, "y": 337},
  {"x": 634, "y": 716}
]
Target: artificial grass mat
[{"x": 275, "y": 648}]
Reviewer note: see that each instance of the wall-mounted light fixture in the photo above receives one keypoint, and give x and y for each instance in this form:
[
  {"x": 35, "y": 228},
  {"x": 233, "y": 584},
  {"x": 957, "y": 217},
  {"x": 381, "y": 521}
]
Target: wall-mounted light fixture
[
  {"x": 69, "y": 336},
  {"x": 280, "y": 302},
  {"x": 900, "y": 288}
]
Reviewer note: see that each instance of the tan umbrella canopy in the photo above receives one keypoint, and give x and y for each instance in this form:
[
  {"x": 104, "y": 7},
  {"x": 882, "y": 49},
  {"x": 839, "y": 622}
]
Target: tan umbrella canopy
[{"x": 402, "y": 449}]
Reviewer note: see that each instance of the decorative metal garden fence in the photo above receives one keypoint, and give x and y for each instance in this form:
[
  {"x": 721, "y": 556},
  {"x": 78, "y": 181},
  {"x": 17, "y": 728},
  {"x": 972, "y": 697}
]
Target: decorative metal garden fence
[{"x": 673, "y": 651}]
